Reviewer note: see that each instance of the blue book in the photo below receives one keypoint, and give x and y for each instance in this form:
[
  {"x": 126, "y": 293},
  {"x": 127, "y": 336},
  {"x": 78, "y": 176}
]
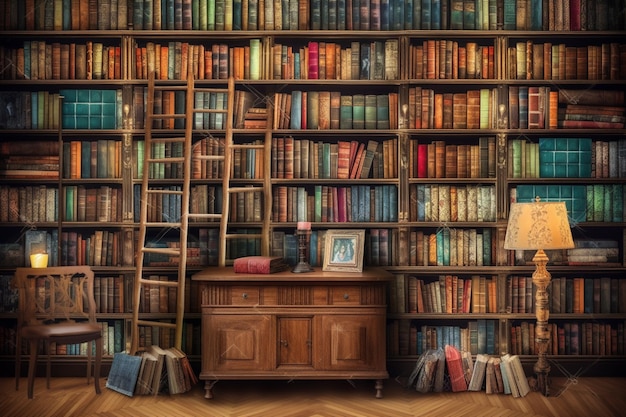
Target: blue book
[
  {"x": 296, "y": 110},
  {"x": 386, "y": 6},
  {"x": 408, "y": 13},
  {"x": 313, "y": 253},
  {"x": 123, "y": 374}
]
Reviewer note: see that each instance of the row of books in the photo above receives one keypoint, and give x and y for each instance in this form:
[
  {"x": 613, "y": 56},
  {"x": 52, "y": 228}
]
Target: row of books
[
  {"x": 161, "y": 207},
  {"x": 101, "y": 248},
  {"x": 111, "y": 294},
  {"x": 452, "y": 247},
  {"x": 344, "y": 159},
  {"x": 359, "y": 203},
  {"x": 102, "y": 204},
  {"x": 528, "y": 60},
  {"x": 324, "y": 110},
  {"x": 474, "y": 109},
  {"x": 452, "y": 203},
  {"x": 448, "y": 294},
  {"x": 566, "y": 158},
  {"x": 410, "y": 337},
  {"x": 28, "y": 204},
  {"x": 572, "y": 338},
  {"x": 448, "y": 59},
  {"x": 442, "y": 159},
  {"x": 45, "y": 60},
  {"x": 433, "y": 59},
  {"x": 30, "y": 110},
  {"x": 92, "y": 159},
  {"x": 162, "y": 299},
  {"x": 297, "y": 15}
]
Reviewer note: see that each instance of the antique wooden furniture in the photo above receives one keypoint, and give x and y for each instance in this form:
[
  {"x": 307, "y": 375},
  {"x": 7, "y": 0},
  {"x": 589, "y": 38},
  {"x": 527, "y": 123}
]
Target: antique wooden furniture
[
  {"x": 317, "y": 325},
  {"x": 56, "y": 305}
]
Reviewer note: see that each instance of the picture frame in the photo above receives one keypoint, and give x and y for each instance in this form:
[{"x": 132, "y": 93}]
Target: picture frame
[{"x": 343, "y": 250}]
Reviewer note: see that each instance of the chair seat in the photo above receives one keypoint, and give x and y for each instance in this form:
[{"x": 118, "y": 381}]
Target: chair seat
[{"x": 65, "y": 330}]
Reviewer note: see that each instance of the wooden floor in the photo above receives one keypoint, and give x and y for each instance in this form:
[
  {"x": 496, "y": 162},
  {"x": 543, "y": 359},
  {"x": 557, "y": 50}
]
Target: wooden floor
[{"x": 582, "y": 397}]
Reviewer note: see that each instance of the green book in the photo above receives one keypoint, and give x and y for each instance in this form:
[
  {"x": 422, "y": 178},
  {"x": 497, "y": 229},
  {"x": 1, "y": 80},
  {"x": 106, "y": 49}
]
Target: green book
[{"x": 358, "y": 111}]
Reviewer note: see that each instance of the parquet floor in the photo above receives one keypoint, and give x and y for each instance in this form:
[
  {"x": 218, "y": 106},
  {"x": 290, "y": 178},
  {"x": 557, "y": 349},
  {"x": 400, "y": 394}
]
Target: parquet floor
[{"x": 582, "y": 397}]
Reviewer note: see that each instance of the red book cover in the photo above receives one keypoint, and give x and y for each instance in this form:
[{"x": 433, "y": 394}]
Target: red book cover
[
  {"x": 258, "y": 265},
  {"x": 313, "y": 60},
  {"x": 422, "y": 160}
]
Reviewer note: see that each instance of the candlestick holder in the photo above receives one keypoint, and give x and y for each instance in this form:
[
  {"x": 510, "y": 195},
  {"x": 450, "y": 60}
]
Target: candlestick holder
[{"x": 303, "y": 265}]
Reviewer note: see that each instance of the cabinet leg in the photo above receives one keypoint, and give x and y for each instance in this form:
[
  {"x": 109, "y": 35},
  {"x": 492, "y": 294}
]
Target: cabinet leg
[
  {"x": 208, "y": 389},
  {"x": 379, "y": 388}
]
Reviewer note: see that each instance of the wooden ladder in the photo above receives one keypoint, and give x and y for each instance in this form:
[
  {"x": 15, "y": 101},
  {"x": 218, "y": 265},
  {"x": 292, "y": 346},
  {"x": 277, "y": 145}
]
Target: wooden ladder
[{"x": 177, "y": 187}]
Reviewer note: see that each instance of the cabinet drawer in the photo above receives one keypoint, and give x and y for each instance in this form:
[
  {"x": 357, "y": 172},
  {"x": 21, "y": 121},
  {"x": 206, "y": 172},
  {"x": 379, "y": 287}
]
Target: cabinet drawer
[
  {"x": 346, "y": 295},
  {"x": 243, "y": 295}
]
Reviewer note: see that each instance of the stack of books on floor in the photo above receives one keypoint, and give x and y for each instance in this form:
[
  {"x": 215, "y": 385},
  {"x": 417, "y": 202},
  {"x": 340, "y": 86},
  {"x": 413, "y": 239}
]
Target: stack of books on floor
[
  {"x": 449, "y": 369},
  {"x": 151, "y": 372}
]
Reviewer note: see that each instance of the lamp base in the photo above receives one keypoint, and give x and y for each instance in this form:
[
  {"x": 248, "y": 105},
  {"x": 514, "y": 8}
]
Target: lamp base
[{"x": 302, "y": 267}]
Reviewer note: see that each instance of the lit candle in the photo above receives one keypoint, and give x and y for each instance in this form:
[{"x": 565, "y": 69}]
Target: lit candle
[
  {"x": 304, "y": 225},
  {"x": 39, "y": 260}
]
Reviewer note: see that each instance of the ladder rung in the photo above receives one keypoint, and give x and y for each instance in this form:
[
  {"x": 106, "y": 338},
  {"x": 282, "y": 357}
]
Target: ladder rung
[
  {"x": 173, "y": 87},
  {"x": 243, "y": 189},
  {"x": 209, "y": 157},
  {"x": 247, "y": 146},
  {"x": 162, "y": 191},
  {"x": 210, "y": 90},
  {"x": 162, "y": 251},
  {"x": 175, "y": 225},
  {"x": 148, "y": 281},
  {"x": 165, "y": 160},
  {"x": 156, "y": 324},
  {"x": 204, "y": 216}
]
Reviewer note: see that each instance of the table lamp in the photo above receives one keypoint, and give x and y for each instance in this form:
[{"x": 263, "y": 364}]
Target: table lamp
[{"x": 538, "y": 226}]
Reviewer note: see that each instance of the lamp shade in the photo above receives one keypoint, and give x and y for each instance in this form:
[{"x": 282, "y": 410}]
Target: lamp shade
[{"x": 538, "y": 225}]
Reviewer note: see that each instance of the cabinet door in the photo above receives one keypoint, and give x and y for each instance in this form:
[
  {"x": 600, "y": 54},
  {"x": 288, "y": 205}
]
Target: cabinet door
[
  {"x": 350, "y": 342},
  {"x": 237, "y": 342},
  {"x": 294, "y": 341}
]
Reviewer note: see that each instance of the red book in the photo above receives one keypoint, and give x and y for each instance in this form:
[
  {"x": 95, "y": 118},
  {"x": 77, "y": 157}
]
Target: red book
[
  {"x": 422, "y": 160},
  {"x": 454, "y": 363},
  {"x": 313, "y": 60},
  {"x": 259, "y": 265}
]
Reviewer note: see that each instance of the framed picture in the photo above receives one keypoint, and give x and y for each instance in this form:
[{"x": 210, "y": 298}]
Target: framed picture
[{"x": 343, "y": 250}]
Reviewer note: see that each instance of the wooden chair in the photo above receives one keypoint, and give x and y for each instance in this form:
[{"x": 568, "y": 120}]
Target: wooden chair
[{"x": 56, "y": 305}]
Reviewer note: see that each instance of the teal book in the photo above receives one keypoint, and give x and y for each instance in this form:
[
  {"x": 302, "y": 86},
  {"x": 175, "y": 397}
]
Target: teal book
[
  {"x": 370, "y": 111},
  {"x": 536, "y": 14},
  {"x": 435, "y": 14},
  {"x": 510, "y": 14},
  {"x": 382, "y": 111},
  {"x": 345, "y": 112},
  {"x": 469, "y": 15},
  {"x": 456, "y": 14},
  {"x": 386, "y": 8},
  {"x": 358, "y": 111},
  {"x": 237, "y": 15},
  {"x": 426, "y": 21},
  {"x": 487, "y": 247},
  {"x": 123, "y": 374}
]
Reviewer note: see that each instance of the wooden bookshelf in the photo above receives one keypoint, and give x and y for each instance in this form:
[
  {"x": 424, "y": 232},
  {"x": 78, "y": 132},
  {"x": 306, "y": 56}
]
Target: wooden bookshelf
[{"x": 419, "y": 126}]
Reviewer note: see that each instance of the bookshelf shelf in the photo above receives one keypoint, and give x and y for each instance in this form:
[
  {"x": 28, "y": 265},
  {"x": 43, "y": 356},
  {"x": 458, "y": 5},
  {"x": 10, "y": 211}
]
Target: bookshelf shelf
[{"x": 402, "y": 228}]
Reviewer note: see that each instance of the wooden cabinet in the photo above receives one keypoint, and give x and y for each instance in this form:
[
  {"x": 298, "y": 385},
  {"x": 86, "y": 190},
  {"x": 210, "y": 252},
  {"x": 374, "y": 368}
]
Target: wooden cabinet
[{"x": 318, "y": 325}]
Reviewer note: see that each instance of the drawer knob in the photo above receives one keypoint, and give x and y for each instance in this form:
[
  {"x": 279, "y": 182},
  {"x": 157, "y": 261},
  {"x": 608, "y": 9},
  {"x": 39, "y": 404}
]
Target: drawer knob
[
  {"x": 346, "y": 296},
  {"x": 244, "y": 295}
]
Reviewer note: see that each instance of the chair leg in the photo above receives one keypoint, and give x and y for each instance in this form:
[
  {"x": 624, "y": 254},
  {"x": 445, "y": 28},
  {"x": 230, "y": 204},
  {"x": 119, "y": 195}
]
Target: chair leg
[
  {"x": 32, "y": 364},
  {"x": 96, "y": 372},
  {"x": 18, "y": 365},
  {"x": 48, "y": 364},
  {"x": 89, "y": 359}
]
